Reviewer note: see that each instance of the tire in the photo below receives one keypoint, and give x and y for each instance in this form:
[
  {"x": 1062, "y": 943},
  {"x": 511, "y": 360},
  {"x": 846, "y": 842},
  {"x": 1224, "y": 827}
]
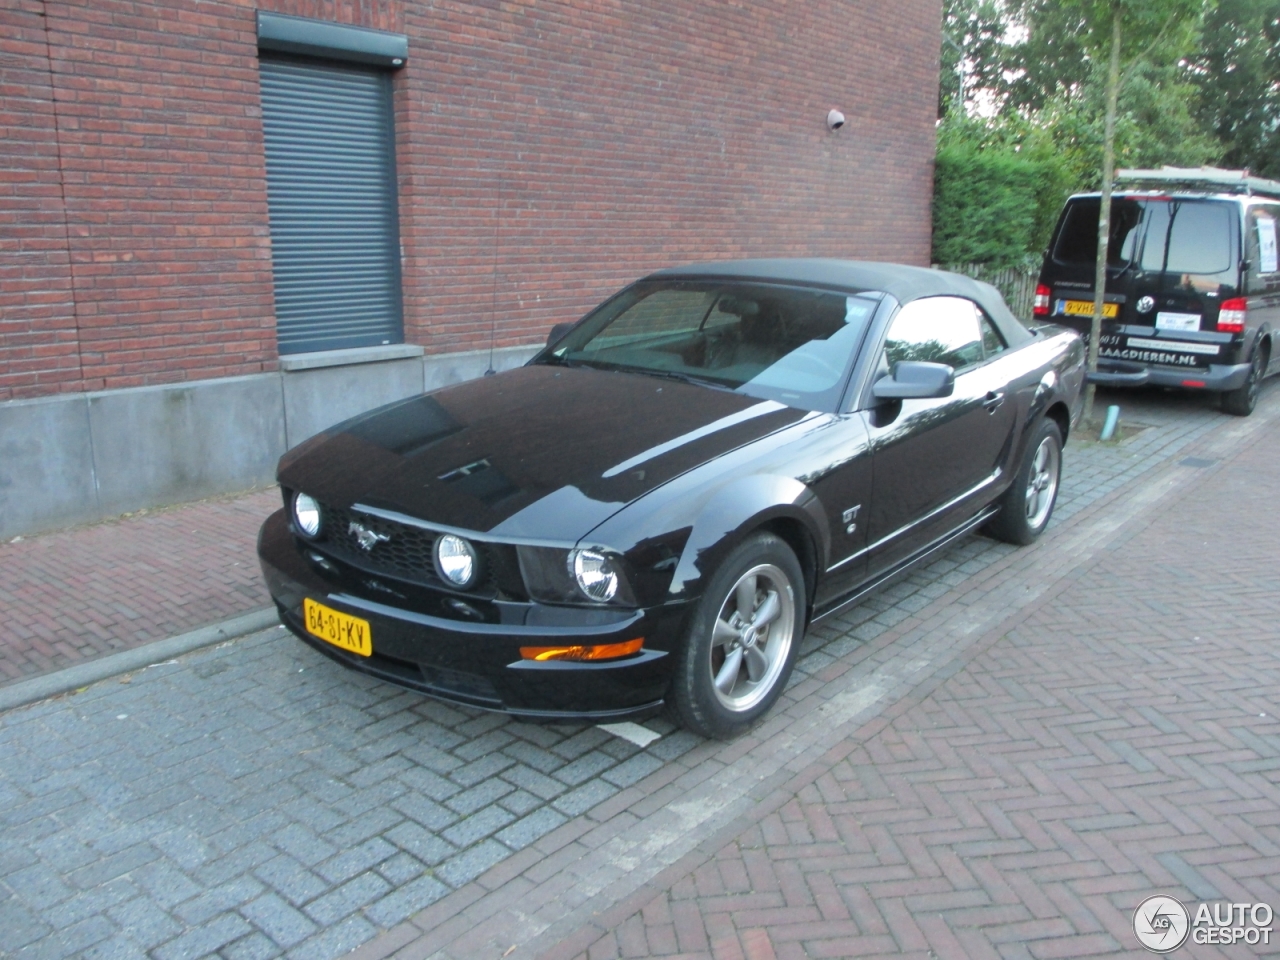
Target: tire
[
  {"x": 1025, "y": 508},
  {"x": 731, "y": 671},
  {"x": 1241, "y": 401}
]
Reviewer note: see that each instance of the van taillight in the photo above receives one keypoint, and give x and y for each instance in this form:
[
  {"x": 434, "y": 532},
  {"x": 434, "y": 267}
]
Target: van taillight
[
  {"x": 1232, "y": 315},
  {"x": 1041, "y": 308}
]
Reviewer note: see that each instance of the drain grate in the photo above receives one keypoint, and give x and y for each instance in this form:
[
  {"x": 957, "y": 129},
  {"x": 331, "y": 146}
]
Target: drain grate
[{"x": 1198, "y": 462}]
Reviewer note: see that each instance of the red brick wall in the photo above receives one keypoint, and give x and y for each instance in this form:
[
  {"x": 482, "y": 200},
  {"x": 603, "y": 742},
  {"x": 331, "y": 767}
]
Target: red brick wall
[
  {"x": 38, "y": 344},
  {"x": 547, "y": 153}
]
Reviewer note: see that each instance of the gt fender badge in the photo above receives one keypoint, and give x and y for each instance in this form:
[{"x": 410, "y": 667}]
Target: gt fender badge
[{"x": 848, "y": 517}]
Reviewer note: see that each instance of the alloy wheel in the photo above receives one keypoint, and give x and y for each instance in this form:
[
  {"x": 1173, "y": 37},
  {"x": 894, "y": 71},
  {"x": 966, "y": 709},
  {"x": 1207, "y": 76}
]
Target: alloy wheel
[
  {"x": 752, "y": 637},
  {"x": 1042, "y": 484}
]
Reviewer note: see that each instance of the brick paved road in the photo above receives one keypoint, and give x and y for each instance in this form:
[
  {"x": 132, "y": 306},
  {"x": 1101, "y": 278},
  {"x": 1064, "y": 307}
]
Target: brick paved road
[
  {"x": 1121, "y": 739},
  {"x": 254, "y": 800},
  {"x": 76, "y": 594}
]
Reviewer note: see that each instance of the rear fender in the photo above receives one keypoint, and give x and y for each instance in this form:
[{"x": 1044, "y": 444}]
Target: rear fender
[{"x": 1264, "y": 340}]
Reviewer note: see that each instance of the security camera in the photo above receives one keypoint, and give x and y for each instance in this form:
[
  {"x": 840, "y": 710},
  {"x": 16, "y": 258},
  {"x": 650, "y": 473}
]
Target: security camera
[{"x": 835, "y": 119}]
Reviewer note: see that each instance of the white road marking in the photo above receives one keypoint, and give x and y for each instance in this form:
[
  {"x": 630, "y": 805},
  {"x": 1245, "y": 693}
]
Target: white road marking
[{"x": 640, "y": 736}]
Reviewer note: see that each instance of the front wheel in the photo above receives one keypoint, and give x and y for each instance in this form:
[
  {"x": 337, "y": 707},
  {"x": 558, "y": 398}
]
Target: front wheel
[
  {"x": 1026, "y": 506},
  {"x": 742, "y": 640}
]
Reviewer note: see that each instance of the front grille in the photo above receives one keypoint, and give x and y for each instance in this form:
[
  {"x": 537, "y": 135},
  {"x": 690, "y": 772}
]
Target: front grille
[{"x": 406, "y": 553}]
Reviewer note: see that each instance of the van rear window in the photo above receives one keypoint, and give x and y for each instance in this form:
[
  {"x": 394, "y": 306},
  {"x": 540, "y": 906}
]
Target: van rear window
[
  {"x": 1078, "y": 239},
  {"x": 1174, "y": 236},
  {"x": 1187, "y": 236}
]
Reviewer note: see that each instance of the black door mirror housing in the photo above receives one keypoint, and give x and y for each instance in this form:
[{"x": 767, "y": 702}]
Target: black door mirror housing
[
  {"x": 558, "y": 331},
  {"x": 916, "y": 380}
]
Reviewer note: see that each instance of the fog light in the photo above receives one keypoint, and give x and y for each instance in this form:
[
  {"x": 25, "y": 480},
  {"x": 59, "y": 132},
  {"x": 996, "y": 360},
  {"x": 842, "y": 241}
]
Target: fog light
[
  {"x": 306, "y": 514},
  {"x": 456, "y": 561},
  {"x": 599, "y": 651}
]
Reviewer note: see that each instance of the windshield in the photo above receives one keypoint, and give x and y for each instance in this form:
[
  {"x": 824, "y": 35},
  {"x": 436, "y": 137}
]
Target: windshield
[{"x": 790, "y": 344}]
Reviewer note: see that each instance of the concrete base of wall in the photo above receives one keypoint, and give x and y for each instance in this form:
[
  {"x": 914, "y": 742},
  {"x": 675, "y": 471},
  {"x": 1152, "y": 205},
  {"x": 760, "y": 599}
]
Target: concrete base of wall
[{"x": 76, "y": 458}]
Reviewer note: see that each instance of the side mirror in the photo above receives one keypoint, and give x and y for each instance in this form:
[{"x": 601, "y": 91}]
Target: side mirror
[
  {"x": 558, "y": 331},
  {"x": 916, "y": 380}
]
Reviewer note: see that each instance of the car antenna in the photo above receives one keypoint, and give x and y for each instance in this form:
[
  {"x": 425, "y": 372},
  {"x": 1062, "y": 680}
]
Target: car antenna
[{"x": 493, "y": 305}]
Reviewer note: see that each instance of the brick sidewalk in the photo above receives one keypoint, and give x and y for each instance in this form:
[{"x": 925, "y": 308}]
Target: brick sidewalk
[
  {"x": 76, "y": 594},
  {"x": 1120, "y": 741}
]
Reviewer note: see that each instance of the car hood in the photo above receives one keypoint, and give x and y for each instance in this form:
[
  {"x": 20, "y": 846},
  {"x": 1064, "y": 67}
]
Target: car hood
[{"x": 540, "y": 452}]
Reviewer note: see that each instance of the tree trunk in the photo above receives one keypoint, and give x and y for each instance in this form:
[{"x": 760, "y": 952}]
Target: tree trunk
[{"x": 1104, "y": 207}]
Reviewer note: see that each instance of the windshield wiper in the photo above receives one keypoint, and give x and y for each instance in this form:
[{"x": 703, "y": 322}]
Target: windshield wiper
[
  {"x": 554, "y": 360},
  {"x": 560, "y": 361},
  {"x": 675, "y": 375}
]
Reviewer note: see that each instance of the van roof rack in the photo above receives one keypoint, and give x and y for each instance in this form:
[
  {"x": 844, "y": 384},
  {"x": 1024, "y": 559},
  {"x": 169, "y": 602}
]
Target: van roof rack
[{"x": 1227, "y": 181}]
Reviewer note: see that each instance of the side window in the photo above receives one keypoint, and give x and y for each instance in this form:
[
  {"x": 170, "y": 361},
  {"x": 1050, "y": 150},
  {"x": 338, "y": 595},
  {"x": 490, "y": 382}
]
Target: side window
[
  {"x": 992, "y": 342},
  {"x": 1262, "y": 242},
  {"x": 936, "y": 330}
]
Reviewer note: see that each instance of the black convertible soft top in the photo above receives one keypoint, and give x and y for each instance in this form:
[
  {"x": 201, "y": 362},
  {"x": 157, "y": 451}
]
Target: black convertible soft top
[{"x": 901, "y": 282}]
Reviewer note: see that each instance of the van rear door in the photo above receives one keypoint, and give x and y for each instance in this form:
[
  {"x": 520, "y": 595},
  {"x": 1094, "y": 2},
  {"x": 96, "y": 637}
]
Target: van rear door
[{"x": 1171, "y": 262}]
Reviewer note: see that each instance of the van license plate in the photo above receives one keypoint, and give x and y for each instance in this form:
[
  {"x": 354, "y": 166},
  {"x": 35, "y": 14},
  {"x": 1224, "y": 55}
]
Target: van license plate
[
  {"x": 1084, "y": 308},
  {"x": 340, "y": 629}
]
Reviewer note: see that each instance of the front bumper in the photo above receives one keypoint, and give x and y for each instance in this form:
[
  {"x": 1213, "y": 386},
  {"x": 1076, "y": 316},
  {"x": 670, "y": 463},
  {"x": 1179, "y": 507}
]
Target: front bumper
[
  {"x": 479, "y": 663},
  {"x": 1216, "y": 376}
]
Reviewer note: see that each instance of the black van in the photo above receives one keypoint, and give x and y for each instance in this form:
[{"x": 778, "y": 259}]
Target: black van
[{"x": 1193, "y": 283}]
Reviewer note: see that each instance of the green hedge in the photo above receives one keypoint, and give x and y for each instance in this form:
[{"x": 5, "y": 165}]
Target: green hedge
[{"x": 993, "y": 205}]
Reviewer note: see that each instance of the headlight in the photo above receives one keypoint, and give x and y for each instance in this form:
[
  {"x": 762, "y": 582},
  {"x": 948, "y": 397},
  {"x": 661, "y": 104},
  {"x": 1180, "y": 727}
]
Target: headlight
[
  {"x": 595, "y": 574},
  {"x": 306, "y": 514},
  {"x": 557, "y": 575},
  {"x": 456, "y": 561}
]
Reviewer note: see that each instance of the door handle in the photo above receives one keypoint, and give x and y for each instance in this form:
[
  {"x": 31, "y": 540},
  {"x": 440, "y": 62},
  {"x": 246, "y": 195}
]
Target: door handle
[{"x": 993, "y": 401}]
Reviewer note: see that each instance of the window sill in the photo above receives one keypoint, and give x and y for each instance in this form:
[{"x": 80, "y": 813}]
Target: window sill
[{"x": 294, "y": 362}]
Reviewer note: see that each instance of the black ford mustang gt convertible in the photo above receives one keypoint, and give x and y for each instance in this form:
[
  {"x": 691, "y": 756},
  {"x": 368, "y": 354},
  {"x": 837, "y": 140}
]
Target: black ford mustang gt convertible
[{"x": 655, "y": 507}]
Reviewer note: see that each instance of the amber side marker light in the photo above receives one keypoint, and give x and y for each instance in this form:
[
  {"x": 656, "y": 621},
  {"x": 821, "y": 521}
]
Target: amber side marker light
[{"x": 600, "y": 651}]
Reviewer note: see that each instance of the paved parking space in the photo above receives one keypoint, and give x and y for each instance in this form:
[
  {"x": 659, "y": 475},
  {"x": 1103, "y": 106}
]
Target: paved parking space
[{"x": 255, "y": 800}]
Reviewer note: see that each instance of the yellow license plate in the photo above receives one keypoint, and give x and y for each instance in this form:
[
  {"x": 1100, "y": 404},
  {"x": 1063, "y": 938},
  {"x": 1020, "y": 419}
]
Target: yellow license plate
[
  {"x": 1084, "y": 308},
  {"x": 340, "y": 629}
]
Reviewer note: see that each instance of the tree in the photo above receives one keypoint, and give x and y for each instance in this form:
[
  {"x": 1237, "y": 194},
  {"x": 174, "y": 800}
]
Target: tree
[
  {"x": 973, "y": 52},
  {"x": 1236, "y": 69},
  {"x": 1052, "y": 63},
  {"x": 1157, "y": 122}
]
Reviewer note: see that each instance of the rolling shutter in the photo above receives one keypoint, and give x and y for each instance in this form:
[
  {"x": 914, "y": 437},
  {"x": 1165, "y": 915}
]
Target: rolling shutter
[{"x": 331, "y": 195}]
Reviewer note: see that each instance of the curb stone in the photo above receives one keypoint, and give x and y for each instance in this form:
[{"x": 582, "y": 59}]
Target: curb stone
[{"x": 82, "y": 674}]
